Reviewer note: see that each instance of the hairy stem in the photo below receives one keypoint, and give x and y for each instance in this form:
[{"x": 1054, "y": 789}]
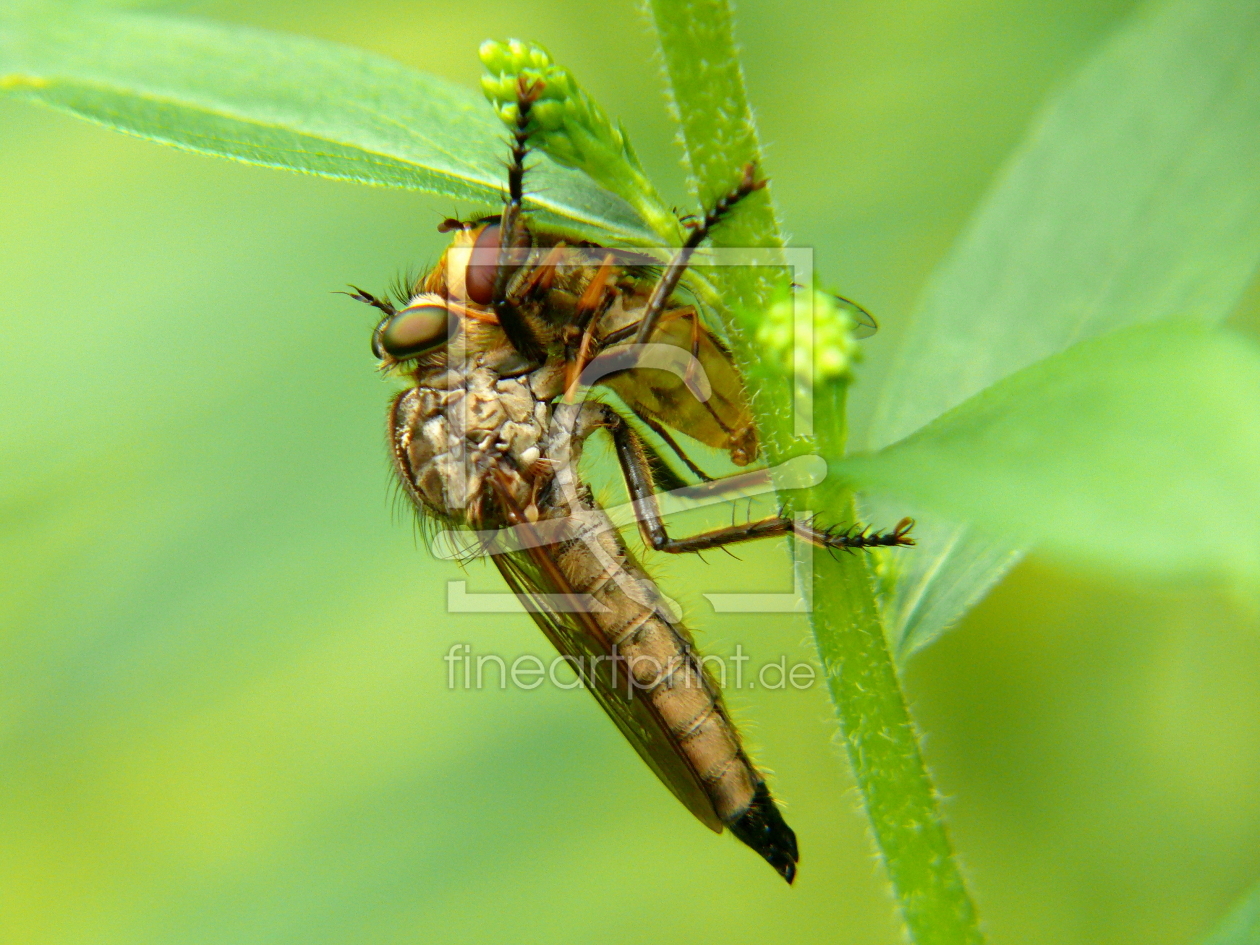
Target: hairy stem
[{"x": 720, "y": 138}]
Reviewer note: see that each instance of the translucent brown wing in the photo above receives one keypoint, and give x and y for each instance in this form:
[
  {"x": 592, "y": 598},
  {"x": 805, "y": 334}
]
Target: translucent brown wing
[
  {"x": 557, "y": 609},
  {"x": 720, "y": 417}
]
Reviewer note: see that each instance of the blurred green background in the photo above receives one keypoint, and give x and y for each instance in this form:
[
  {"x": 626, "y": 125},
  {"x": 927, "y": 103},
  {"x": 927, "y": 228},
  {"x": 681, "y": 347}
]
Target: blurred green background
[{"x": 223, "y": 706}]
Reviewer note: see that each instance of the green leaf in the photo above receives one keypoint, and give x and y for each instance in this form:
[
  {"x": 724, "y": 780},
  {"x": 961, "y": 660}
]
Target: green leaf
[
  {"x": 1241, "y": 926},
  {"x": 1137, "y": 452},
  {"x": 1135, "y": 197},
  {"x": 284, "y": 101}
]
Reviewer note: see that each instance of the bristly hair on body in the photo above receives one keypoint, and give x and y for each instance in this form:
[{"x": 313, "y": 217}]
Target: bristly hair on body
[{"x": 407, "y": 284}]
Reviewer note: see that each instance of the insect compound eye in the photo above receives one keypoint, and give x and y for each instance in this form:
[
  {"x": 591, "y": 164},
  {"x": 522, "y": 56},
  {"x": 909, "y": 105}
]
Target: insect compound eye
[
  {"x": 412, "y": 332},
  {"x": 482, "y": 264}
]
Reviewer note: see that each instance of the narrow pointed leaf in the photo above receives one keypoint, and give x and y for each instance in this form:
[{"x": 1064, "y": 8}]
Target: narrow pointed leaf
[
  {"x": 1136, "y": 196},
  {"x": 282, "y": 101},
  {"x": 1136, "y": 453}
]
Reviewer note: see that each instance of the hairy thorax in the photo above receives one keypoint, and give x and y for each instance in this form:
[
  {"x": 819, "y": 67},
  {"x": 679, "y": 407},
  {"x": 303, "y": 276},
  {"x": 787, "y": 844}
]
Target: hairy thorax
[{"x": 453, "y": 431}]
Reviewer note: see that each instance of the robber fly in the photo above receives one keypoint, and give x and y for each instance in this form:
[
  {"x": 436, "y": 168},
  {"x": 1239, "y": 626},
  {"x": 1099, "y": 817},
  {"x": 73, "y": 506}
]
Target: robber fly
[{"x": 494, "y": 341}]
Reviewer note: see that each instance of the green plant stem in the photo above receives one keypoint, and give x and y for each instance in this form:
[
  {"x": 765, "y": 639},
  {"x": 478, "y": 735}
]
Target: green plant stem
[
  {"x": 718, "y": 130},
  {"x": 720, "y": 137},
  {"x": 879, "y": 735},
  {"x": 883, "y": 749}
]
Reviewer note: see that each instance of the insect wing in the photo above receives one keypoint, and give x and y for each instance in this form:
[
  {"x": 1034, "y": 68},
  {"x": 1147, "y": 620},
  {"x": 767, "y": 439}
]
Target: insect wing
[
  {"x": 559, "y": 612},
  {"x": 864, "y": 324},
  {"x": 700, "y": 394}
]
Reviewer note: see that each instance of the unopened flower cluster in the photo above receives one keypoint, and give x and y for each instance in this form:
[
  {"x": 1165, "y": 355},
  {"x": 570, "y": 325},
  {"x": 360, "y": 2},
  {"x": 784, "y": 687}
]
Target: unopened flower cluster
[{"x": 833, "y": 348}]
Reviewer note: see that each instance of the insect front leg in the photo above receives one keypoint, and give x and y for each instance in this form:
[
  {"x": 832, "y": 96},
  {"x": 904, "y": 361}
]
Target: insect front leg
[
  {"x": 637, "y": 470},
  {"x": 590, "y": 305},
  {"x": 517, "y": 329}
]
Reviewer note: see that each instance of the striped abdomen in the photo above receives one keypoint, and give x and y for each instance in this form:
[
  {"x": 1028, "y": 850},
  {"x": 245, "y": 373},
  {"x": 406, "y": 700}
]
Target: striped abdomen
[{"x": 657, "y": 652}]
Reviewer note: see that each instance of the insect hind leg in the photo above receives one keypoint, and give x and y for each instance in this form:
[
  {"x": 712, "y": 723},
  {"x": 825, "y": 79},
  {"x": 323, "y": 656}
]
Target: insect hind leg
[{"x": 636, "y": 469}]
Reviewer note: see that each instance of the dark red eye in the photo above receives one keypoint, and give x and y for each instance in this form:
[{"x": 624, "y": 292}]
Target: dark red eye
[
  {"x": 412, "y": 332},
  {"x": 482, "y": 263}
]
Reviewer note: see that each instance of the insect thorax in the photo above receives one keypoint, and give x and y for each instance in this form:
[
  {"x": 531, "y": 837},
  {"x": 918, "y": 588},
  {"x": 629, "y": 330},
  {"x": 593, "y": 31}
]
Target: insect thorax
[{"x": 459, "y": 437}]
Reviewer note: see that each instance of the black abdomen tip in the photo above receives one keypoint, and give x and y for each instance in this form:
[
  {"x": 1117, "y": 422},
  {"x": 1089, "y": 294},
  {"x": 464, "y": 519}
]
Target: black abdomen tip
[{"x": 762, "y": 827}]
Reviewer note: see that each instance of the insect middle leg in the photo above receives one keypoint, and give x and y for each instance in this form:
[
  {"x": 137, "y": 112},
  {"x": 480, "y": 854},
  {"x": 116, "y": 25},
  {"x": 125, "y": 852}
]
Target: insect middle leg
[{"x": 637, "y": 470}]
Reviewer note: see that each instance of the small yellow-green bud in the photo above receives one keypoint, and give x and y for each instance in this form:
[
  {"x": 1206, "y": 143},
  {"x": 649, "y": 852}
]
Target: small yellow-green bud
[
  {"x": 566, "y": 124},
  {"x": 548, "y": 116},
  {"x": 512, "y": 57},
  {"x": 786, "y": 338}
]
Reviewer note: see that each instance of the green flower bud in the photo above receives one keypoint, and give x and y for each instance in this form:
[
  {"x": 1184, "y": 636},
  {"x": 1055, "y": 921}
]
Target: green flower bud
[
  {"x": 826, "y": 357},
  {"x": 549, "y": 116},
  {"x": 571, "y": 128}
]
